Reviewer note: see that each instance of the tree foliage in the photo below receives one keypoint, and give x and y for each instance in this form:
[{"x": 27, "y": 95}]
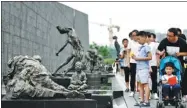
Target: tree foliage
[{"x": 102, "y": 50}]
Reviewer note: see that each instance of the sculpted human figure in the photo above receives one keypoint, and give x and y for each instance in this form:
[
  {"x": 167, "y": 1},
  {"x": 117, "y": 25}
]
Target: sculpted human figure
[
  {"x": 29, "y": 78},
  {"x": 100, "y": 63},
  {"x": 78, "y": 51},
  {"x": 91, "y": 59},
  {"x": 78, "y": 79}
]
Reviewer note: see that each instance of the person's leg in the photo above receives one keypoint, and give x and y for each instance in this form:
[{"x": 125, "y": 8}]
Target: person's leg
[
  {"x": 83, "y": 87},
  {"x": 154, "y": 79},
  {"x": 165, "y": 90},
  {"x": 144, "y": 81},
  {"x": 133, "y": 75},
  {"x": 137, "y": 86},
  {"x": 126, "y": 72},
  {"x": 122, "y": 70},
  {"x": 141, "y": 95},
  {"x": 184, "y": 82},
  {"x": 141, "y": 87},
  {"x": 176, "y": 90},
  {"x": 65, "y": 63},
  {"x": 117, "y": 68},
  {"x": 147, "y": 92}
]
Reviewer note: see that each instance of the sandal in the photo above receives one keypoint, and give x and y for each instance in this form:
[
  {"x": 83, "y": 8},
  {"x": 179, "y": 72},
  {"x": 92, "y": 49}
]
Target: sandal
[{"x": 139, "y": 104}]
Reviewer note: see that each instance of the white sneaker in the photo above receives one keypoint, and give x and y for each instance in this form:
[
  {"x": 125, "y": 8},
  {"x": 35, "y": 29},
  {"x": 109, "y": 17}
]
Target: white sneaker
[
  {"x": 131, "y": 94},
  {"x": 155, "y": 96},
  {"x": 184, "y": 98}
]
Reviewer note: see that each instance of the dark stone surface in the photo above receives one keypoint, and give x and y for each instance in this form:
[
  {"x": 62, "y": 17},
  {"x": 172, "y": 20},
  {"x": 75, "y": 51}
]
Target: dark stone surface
[
  {"x": 117, "y": 94},
  {"x": 62, "y": 81},
  {"x": 103, "y": 101},
  {"x": 88, "y": 95},
  {"x": 50, "y": 103},
  {"x": 94, "y": 80}
]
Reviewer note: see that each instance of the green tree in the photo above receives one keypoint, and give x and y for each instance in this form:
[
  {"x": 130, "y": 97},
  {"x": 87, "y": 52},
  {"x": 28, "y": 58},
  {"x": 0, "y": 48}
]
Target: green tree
[
  {"x": 102, "y": 50},
  {"x": 105, "y": 51}
]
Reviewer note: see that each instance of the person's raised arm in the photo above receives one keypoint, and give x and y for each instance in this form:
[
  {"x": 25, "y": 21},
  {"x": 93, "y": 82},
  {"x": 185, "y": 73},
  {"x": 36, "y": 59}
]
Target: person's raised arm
[
  {"x": 160, "y": 52},
  {"x": 62, "y": 48}
]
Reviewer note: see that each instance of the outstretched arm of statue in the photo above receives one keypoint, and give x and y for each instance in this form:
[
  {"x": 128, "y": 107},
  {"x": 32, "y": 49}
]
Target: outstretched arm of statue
[{"x": 62, "y": 48}]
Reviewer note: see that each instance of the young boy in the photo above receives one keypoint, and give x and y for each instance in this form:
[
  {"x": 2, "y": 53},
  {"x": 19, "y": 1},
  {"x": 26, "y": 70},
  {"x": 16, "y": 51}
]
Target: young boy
[
  {"x": 142, "y": 69},
  {"x": 170, "y": 81}
]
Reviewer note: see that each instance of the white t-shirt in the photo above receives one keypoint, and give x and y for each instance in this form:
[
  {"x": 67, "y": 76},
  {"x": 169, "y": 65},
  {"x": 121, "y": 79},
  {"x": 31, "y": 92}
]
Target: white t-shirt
[
  {"x": 125, "y": 62},
  {"x": 166, "y": 77},
  {"x": 134, "y": 46},
  {"x": 153, "y": 46}
]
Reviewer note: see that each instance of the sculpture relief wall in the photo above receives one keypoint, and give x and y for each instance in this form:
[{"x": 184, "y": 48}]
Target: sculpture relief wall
[{"x": 29, "y": 28}]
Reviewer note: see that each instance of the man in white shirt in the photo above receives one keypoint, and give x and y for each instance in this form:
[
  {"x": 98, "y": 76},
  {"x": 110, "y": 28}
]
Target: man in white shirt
[
  {"x": 133, "y": 49},
  {"x": 153, "y": 63}
]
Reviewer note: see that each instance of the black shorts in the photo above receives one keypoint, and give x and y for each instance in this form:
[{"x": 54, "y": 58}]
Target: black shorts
[{"x": 122, "y": 67}]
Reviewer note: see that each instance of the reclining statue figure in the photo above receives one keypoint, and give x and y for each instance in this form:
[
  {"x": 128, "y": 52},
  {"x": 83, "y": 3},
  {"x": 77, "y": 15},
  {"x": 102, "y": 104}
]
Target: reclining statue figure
[{"x": 28, "y": 78}]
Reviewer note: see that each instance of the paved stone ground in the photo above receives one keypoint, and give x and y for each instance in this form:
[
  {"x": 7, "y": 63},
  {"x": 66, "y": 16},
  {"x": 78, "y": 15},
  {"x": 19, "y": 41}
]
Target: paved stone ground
[{"x": 126, "y": 101}]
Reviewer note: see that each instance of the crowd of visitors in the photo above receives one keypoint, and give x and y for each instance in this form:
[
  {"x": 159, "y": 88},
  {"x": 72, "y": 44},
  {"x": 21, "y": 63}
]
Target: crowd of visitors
[{"x": 139, "y": 59}]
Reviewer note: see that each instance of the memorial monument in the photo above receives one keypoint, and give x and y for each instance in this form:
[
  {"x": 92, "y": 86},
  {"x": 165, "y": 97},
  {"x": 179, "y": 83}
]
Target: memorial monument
[
  {"x": 28, "y": 78},
  {"x": 78, "y": 50},
  {"x": 78, "y": 79}
]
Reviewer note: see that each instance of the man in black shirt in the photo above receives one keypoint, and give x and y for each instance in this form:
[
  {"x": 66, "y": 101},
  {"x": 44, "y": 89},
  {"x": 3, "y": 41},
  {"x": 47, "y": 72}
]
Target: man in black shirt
[{"x": 173, "y": 45}]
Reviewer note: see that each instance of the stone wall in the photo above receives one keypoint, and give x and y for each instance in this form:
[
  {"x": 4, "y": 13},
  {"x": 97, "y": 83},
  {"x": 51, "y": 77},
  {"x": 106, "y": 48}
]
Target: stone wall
[{"x": 29, "y": 28}]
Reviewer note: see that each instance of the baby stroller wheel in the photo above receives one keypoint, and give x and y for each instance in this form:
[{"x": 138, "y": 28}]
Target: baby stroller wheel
[
  {"x": 166, "y": 103},
  {"x": 182, "y": 105},
  {"x": 160, "y": 105}
]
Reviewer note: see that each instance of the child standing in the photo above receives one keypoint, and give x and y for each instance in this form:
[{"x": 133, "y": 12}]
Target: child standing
[
  {"x": 142, "y": 71},
  {"x": 124, "y": 55}
]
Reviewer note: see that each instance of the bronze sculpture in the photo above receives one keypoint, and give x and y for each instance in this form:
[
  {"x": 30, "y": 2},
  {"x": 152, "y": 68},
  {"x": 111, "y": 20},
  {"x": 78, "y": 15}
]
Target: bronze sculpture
[{"x": 78, "y": 51}]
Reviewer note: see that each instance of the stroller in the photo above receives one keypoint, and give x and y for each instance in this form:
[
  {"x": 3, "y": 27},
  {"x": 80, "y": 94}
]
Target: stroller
[{"x": 177, "y": 71}]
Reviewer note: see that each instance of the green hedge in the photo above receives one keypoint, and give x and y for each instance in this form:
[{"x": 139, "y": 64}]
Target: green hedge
[{"x": 109, "y": 60}]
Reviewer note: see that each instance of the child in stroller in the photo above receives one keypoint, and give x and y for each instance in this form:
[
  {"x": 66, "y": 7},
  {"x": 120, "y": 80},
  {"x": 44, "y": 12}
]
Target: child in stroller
[
  {"x": 170, "y": 78},
  {"x": 170, "y": 83}
]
